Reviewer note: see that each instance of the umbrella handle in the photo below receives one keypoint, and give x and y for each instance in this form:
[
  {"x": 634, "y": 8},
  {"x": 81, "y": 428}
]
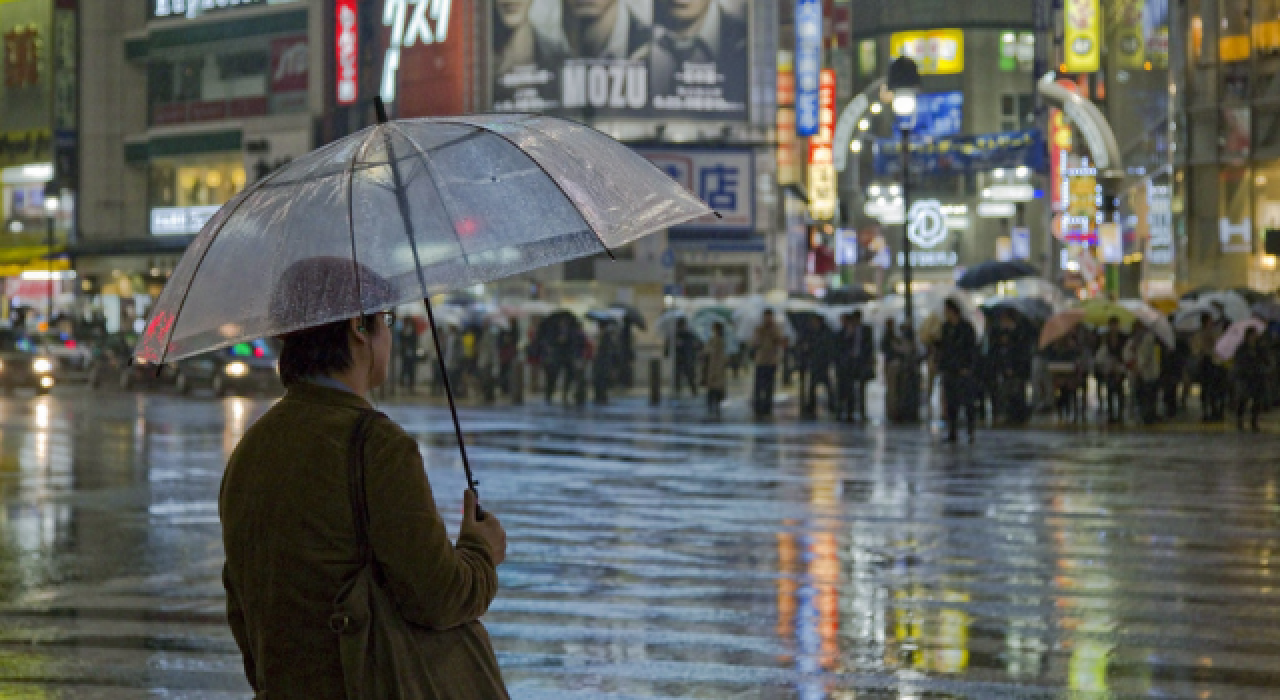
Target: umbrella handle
[{"x": 453, "y": 409}]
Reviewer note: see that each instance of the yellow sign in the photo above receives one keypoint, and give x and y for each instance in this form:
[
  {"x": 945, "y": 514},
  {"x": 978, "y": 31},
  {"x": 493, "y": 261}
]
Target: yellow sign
[
  {"x": 822, "y": 191},
  {"x": 1129, "y": 38},
  {"x": 935, "y": 51},
  {"x": 57, "y": 265},
  {"x": 1082, "y": 37}
]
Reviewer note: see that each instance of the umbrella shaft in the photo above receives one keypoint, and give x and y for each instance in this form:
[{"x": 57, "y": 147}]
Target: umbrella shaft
[{"x": 448, "y": 390}]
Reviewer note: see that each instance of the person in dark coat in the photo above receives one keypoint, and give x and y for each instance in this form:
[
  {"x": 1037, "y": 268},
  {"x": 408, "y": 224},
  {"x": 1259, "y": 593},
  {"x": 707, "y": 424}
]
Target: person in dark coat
[
  {"x": 1251, "y": 367},
  {"x": 856, "y": 365},
  {"x": 820, "y": 358},
  {"x": 957, "y": 356},
  {"x": 605, "y": 361},
  {"x": 560, "y": 353},
  {"x": 1009, "y": 360},
  {"x": 287, "y": 525},
  {"x": 687, "y": 350}
]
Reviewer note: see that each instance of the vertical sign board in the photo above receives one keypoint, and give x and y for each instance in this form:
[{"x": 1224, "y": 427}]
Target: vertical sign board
[
  {"x": 1129, "y": 33},
  {"x": 822, "y": 169},
  {"x": 1021, "y": 243},
  {"x": 347, "y": 45},
  {"x": 1083, "y": 53},
  {"x": 808, "y": 65},
  {"x": 1059, "y": 151}
]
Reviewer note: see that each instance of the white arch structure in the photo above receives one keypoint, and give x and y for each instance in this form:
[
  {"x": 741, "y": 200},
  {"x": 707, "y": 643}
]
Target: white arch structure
[
  {"x": 849, "y": 119},
  {"x": 1096, "y": 129}
]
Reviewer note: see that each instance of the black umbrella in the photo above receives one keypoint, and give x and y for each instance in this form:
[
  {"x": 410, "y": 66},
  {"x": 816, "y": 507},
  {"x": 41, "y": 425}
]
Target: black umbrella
[
  {"x": 631, "y": 315},
  {"x": 845, "y": 297},
  {"x": 1031, "y": 309},
  {"x": 995, "y": 271}
]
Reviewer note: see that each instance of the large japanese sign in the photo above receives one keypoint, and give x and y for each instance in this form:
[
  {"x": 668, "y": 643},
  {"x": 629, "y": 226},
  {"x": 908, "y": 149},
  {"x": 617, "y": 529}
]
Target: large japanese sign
[
  {"x": 1082, "y": 43},
  {"x": 724, "y": 179},
  {"x": 808, "y": 64},
  {"x": 347, "y": 51},
  {"x": 621, "y": 58},
  {"x": 951, "y": 156},
  {"x": 27, "y": 88},
  {"x": 426, "y": 69},
  {"x": 935, "y": 51},
  {"x": 937, "y": 114},
  {"x": 822, "y": 169}
]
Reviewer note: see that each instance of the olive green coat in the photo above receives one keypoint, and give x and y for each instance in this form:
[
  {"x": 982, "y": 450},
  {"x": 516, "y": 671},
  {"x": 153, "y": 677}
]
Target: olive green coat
[{"x": 291, "y": 544}]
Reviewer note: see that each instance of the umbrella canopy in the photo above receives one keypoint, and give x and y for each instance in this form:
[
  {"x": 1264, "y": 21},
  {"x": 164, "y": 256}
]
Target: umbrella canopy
[
  {"x": 1030, "y": 309},
  {"x": 848, "y": 297},
  {"x": 704, "y": 320},
  {"x": 415, "y": 208},
  {"x": 1230, "y": 341},
  {"x": 1267, "y": 310},
  {"x": 666, "y": 325},
  {"x": 630, "y": 314},
  {"x": 606, "y": 315},
  {"x": 1099, "y": 312},
  {"x": 1153, "y": 319},
  {"x": 1059, "y": 325},
  {"x": 747, "y": 318},
  {"x": 1234, "y": 307},
  {"x": 528, "y": 307},
  {"x": 995, "y": 271}
]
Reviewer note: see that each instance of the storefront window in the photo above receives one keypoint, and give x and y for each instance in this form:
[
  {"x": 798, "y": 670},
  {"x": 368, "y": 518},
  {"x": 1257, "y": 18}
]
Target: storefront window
[
  {"x": 233, "y": 79},
  {"x": 185, "y": 193}
]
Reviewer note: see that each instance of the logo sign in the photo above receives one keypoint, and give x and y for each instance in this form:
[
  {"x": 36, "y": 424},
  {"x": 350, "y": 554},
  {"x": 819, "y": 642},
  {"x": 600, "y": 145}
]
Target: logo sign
[
  {"x": 411, "y": 22},
  {"x": 1082, "y": 36},
  {"x": 721, "y": 178},
  {"x": 170, "y": 221},
  {"x": 289, "y": 65},
  {"x": 928, "y": 224},
  {"x": 808, "y": 65},
  {"x": 161, "y": 9},
  {"x": 347, "y": 46},
  {"x": 936, "y": 51},
  {"x": 937, "y": 114}
]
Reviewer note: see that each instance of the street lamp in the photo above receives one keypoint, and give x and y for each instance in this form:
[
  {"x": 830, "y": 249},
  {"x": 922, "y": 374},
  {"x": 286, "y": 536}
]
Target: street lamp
[
  {"x": 904, "y": 82},
  {"x": 50, "y": 211}
]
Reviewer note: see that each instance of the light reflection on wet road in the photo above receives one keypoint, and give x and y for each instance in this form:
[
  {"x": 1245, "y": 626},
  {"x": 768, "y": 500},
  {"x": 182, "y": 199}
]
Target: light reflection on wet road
[{"x": 654, "y": 555}]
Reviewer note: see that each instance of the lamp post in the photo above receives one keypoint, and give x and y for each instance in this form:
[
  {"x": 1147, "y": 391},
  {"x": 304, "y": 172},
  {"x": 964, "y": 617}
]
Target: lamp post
[
  {"x": 904, "y": 82},
  {"x": 51, "y": 212}
]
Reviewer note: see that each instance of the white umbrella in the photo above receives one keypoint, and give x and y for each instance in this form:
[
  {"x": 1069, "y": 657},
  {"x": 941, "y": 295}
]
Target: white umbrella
[
  {"x": 666, "y": 324},
  {"x": 1153, "y": 319},
  {"x": 1188, "y": 317},
  {"x": 1234, "y": 306}
]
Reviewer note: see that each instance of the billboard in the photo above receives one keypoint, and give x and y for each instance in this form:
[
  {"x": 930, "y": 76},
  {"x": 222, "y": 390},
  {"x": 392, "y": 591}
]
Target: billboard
[
  {"x": 1083, "y": 53},
  {"x": 427, "y": 67},
  {"x": 935, "y": 51},
  {"x": 937, "y": 114},
  {"x": 822, "y": 169},
  {"x": 808, "y": 65},
  {"x": 621, "y": 58},
  {"x": 347, "y": 47}
]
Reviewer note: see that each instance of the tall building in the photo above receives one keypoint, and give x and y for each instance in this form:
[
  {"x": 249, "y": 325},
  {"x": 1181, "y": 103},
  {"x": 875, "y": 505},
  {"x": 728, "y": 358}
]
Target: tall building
[{"x": 193, "y": 99}]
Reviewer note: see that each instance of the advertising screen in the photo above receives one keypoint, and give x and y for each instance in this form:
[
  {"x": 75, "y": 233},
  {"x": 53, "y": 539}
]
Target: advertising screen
[{"x": 621, "y": 58}]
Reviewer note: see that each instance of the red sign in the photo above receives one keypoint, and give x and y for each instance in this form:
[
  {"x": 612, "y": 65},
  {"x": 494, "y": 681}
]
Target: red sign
[
  {"x": 786, "y": 88},
  {"x": 842, "y": 25},
  {"x": 434, "y": 69},
  {"x": 289, "y": 64},
  {"x": 23, "y": 48},
  {"x": 347, "y": 45},
  {"x": 820, "y": 143}
]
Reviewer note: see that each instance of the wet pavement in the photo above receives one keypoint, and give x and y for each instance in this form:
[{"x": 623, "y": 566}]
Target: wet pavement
[{"x": 657, "y": 555}]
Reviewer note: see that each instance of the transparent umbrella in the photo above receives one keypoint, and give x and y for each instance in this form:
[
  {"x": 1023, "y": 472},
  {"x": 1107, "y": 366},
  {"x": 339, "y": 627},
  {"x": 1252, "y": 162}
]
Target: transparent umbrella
[{"x": 406, "y": 210}]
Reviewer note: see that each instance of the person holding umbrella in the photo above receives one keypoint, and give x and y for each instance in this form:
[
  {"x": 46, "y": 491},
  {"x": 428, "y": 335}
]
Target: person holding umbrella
[
  {"x": 716, "y": 369},
  {"x": 1250, "y": 369},
  {"x": 1212, "y": 376},
  {"x": 957, "y": 356},
  {"x": 687, "y": 349},
  {"x": 855, "y": 367},
  {"x": 1142, "y": 355},
  {"x": 768, "y": 344},
  {"x": 1109, "y": 364}
]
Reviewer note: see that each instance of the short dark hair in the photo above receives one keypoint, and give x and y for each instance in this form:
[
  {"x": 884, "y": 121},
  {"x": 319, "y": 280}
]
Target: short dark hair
[
  {"x": 319, "y": 351},
  {"x": 951, "y": 305}
]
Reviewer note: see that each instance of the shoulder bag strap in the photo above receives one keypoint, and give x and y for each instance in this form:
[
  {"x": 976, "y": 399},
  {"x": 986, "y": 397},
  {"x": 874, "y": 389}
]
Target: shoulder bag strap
[{"x": 355, "y": 485}]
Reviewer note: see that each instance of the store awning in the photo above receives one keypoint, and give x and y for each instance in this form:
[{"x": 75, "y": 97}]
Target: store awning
[{"x": 203, "y": 32}]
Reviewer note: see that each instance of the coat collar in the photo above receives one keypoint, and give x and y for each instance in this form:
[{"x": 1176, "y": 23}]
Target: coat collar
[{"x": 314, "y": 393}]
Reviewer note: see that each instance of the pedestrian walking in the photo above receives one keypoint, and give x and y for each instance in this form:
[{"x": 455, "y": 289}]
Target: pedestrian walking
[
  {"x": 486, "y": 366},
  {"x": 408, "y": 345},
  {"x": 768, "y": 345},
  {"x": 1009, "y": 360},
  {"x": 1109, "y": 363},
  {"x": 957, "y": 356},
  {"x": 891, "y": 349},
  {"x": 687, "y": 349},
  {"x": 715, "y": 369},
  {"x": 291, "y": 546},
  {"x": 1211, "y": 374},
  {"x": 558, "y": 355},
  {"x": 1250, "y": 368},
  {"x": 819, "y": 359},
  {"x": 1142, "y": 356},
  {"x": 856, "y": 362}
]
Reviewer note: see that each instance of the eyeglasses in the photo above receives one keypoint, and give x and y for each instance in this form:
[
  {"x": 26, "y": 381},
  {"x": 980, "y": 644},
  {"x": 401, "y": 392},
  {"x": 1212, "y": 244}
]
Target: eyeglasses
[{"x": 388, "y": 317}]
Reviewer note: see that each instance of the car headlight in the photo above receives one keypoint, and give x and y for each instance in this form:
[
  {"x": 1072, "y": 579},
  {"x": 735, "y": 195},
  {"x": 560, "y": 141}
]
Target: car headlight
[
  {"x": 41, "y": 365},
  {"x": 236, "y": 369}
]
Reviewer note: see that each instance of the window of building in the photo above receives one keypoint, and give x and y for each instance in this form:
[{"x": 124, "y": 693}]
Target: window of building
[
  {"x": 1017, "y": 112},
  {"x": 1017, "y": 51},
  {"x": 185, "y": 192},
  {"x": 230, "y": 79}
]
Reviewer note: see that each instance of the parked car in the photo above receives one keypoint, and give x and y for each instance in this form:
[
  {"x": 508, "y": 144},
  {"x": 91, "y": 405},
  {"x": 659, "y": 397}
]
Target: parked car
[
  {"x": 110, "y": 364},
  {"x": 242, "y": 368},
  {"x": 23, "y": 365}
]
